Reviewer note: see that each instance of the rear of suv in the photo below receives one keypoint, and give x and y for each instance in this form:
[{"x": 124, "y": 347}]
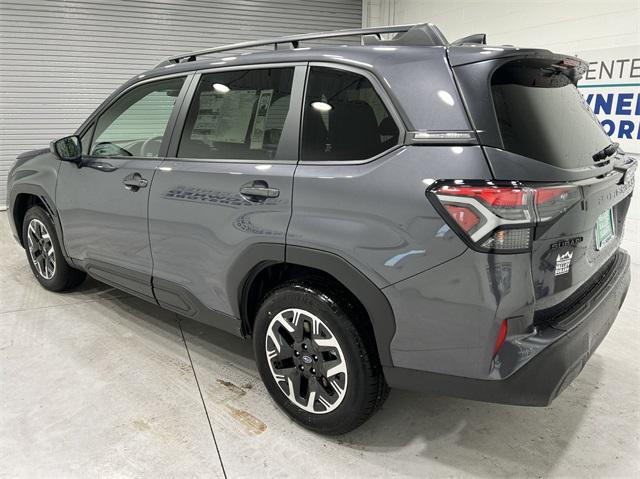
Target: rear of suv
[{"x": 406, "y": 213}]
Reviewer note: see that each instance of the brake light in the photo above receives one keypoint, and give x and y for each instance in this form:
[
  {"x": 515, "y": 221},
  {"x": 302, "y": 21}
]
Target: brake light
[
  {"x": 500, "y": 218},
  {"x": 495, "y": 196},
  {"x": 544, "y": 195},
  {"x": 502, "y": 335}
]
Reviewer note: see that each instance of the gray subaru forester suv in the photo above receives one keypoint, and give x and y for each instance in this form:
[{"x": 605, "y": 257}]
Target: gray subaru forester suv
[{"x": 407, "y": 213}]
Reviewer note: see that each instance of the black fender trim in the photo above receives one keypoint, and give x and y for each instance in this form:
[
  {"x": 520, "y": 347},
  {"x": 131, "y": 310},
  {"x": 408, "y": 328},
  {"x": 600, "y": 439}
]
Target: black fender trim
[
  {"x": 371, "y": 297},
  {"x": 132, "y": 282},
  {"x": 259, "y": 256},
  {"x": 40, "y": 193},
  {"x": 245, "y": 269},
  {"x": 178, "y": 299}
]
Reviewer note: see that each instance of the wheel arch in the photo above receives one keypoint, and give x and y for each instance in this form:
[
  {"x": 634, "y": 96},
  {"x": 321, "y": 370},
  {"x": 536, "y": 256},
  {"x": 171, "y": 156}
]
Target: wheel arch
[
  {"x": 23, "y": 197},
  {"x": 22, "y": 203},
  {"x": 266, "y": 267}
]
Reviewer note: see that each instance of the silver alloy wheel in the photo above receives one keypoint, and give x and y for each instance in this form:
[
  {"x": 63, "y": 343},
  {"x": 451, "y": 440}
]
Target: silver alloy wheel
[
  {"x": 41, "y": 248},
  {"x": 306, "y": 361}
]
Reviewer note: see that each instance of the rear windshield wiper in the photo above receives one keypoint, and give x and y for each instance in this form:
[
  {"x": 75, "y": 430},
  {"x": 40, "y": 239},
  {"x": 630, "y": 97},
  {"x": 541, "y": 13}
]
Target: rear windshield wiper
[{"x": 606, "y": 152}]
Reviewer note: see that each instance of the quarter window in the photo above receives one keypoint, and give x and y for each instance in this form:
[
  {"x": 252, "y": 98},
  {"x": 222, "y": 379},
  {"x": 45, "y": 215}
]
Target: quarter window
[
  {"x": 238, "y": 115},
  {"x": 135, "y": 124},
  {"x": 344, "y": 118}
]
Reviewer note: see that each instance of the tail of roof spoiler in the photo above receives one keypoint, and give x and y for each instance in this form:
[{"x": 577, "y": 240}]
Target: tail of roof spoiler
[{"x": 572, "y": 67}]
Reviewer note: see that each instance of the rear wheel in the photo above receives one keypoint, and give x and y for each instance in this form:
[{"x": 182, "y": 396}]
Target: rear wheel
[
  {"x": 316, "y": 363},
  {"x": 44, "y": 253}
]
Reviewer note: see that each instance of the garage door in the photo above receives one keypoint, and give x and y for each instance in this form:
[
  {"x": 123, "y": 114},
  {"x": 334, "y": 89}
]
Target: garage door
[{"x": 61, "y": 58}]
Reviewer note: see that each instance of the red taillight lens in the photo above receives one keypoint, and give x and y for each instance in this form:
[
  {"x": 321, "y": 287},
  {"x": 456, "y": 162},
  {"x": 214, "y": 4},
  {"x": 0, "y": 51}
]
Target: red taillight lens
[
  {"x": 544, "y": 195},
  {"x": 501, "y": 217},
  {"x": 464, "y": 216},
  {"x": 502, "y": 335},
  {"x": 508, "y": 203},
  {"x": 552, "y": 201},
  {"x": 491, "y": 196}
]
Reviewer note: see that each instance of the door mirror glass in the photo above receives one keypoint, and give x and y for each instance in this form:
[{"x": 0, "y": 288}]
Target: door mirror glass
[{"x": 68, "y": 148}]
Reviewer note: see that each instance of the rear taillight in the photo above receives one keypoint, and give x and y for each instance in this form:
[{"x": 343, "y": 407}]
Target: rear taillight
[
  {"x": 500, "y": 217},
  {"x": 502, "y": 335}
]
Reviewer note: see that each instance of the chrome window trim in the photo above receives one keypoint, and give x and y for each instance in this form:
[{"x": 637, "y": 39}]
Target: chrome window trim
[
  {"x": 459, "y": 137},
  {"x": 227, "y": 160}
]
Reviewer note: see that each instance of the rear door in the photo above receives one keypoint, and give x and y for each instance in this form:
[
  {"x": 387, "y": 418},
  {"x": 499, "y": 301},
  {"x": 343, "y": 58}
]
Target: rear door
[
  {"x": 224, "y": 191},
  {"x": 103, "y": 202},
  {"x": 536, "y": 128}
]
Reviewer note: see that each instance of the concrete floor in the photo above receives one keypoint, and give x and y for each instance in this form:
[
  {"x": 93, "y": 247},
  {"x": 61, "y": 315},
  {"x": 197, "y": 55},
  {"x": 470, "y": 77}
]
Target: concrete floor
[{"x": 97, "y": 383}]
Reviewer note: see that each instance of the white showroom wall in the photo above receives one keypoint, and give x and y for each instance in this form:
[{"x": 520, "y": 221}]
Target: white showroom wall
[{"x": 598, "y": 31}]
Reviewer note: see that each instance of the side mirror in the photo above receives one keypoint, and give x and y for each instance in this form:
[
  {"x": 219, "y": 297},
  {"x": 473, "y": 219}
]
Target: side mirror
[{"x": 68, "y": 148}]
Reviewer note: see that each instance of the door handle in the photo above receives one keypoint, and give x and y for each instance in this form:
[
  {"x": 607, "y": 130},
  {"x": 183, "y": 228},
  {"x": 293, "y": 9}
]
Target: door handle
[
  {"x": 259, "y": 189},
  {"x": 134, "y": 182}
]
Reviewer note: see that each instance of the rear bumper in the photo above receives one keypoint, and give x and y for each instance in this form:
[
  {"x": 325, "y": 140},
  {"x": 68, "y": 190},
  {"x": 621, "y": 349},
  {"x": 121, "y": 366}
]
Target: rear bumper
[{"x": 578, "y": 333}]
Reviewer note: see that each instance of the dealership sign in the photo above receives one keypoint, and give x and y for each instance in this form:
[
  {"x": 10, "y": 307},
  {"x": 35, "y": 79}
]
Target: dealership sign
[{"x": 611, "y": 87}]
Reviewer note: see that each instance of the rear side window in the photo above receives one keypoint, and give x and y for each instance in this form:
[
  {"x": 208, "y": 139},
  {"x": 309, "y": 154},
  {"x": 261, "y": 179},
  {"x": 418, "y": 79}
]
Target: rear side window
[
  {"x": 134, "y": 125},
  {"x": 238, "y": 115},
  {"x": 542, "y": 115},
  {"x": 344, "y": 118}
]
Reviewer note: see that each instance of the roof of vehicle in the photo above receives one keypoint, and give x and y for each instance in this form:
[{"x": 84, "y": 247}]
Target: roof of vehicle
[
  {"x": 401, "y": 64},
  {"x": 410, "y": 43},
  {"x": 399, "y": 69},
  {"x": 363, "y": 56}
]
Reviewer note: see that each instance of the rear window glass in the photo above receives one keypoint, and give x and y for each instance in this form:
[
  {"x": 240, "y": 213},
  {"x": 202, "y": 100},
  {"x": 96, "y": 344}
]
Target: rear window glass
[
  {"x": 542, "y": 115},
  {"x": 344, "y": 118}
]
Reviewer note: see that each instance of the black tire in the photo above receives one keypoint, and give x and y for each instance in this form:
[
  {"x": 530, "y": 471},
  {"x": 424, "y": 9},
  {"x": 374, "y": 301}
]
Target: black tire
[
  {"x": 366, "y": 388},
  {"x": 63, "y": 277}
]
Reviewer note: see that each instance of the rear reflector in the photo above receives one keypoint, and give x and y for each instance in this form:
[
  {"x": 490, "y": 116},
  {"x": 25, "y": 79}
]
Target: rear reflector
[
  {"x": 464, "y": 216},
  {"x": 502, "y": 335},
  {"x": 500, "y": 218}
]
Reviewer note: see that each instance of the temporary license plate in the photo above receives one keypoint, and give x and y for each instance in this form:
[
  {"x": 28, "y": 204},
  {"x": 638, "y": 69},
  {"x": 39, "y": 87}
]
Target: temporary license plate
[{"x": 604, "y": 228}]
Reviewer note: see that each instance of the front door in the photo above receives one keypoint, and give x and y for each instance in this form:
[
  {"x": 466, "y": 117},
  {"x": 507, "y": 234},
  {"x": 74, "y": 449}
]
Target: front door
[
  {"x": 224, "y": 188},
  {"x": 103, "y": 202}
]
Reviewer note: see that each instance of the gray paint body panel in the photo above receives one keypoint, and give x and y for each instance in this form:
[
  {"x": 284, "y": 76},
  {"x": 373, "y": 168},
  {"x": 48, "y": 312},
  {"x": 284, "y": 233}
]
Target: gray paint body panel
[
  {"x": 104, "y": 222},
  {"x": 199, "y": 223},
  {"x": 448, "y": 317},
  {"x": 34, "y": 173},
  {"x": 376, "y": 215}
]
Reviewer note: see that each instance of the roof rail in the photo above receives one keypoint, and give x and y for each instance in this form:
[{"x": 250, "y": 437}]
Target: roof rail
[{"x": 437, "y": 39}]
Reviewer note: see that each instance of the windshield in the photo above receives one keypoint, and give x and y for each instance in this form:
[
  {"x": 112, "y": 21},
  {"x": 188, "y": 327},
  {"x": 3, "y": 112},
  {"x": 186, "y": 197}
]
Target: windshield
[{"x": 542, "y": 115}]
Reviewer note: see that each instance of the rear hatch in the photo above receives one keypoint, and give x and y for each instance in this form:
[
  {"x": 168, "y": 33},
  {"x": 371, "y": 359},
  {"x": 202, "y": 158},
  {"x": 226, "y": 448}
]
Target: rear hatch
[{"x": 536, "y": 129}]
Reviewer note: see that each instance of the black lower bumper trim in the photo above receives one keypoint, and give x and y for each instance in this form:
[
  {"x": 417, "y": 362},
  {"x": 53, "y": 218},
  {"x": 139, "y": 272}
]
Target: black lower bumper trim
[{"x": 540, "y": 380}]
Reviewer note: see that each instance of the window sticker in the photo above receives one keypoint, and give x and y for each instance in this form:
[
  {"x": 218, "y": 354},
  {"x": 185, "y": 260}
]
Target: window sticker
[{"x": 226, "y": 115}]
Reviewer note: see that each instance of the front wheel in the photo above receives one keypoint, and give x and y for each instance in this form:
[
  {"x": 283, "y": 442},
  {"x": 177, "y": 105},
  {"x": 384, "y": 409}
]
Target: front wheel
[
  {"x": 44, "y": 253},
  {"x": 316, "y": 359}
]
